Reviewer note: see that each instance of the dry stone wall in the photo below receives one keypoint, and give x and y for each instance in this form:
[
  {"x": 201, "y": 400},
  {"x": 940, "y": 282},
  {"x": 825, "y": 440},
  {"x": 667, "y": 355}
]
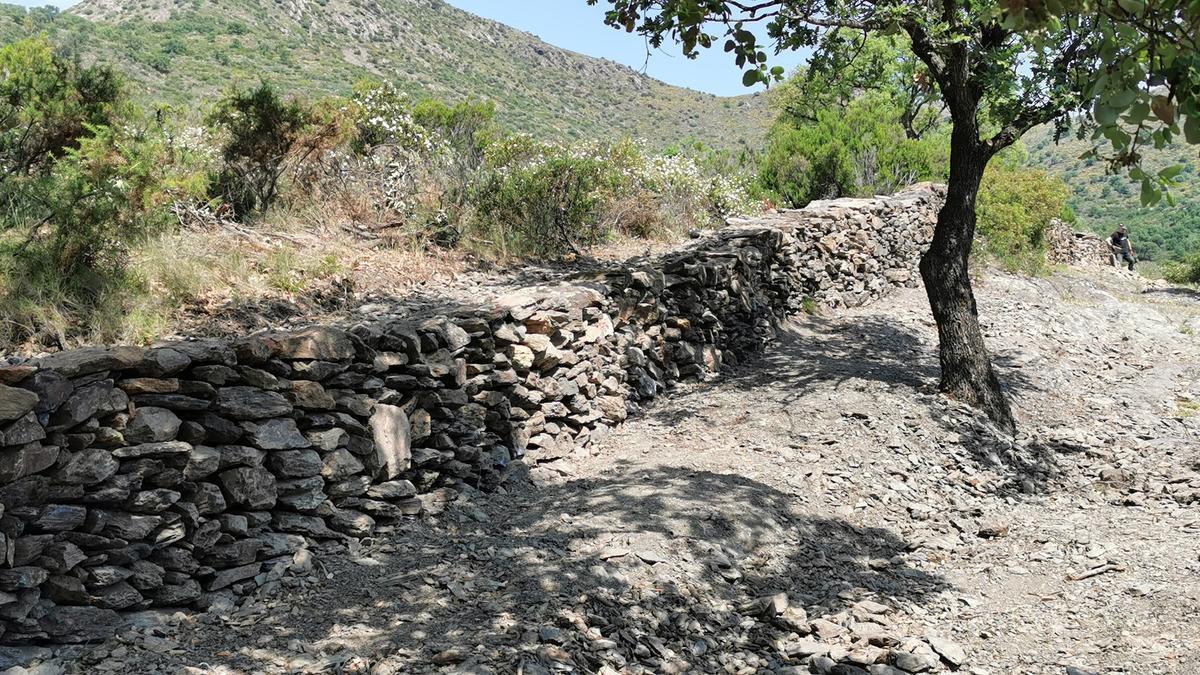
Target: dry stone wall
[
  {"x": 160, "y": 477},
  {"x": 1066, "y": 246}
]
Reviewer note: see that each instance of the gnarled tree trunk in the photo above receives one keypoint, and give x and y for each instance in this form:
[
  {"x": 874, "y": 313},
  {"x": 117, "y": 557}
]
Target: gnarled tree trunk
[{"x": 967, "y": 372}]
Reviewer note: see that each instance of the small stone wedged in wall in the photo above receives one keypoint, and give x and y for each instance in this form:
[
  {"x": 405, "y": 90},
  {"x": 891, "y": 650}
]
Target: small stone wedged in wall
[{"x": 135, "y": 478}]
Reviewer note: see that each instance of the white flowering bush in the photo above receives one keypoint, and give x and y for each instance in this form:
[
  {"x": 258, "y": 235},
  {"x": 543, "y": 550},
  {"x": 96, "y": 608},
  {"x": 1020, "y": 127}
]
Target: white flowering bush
[{"x": 551, "y": 198}]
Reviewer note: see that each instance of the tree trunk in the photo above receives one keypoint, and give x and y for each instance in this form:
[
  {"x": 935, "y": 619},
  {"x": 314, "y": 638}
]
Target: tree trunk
[{"x": 967, "y": 373}]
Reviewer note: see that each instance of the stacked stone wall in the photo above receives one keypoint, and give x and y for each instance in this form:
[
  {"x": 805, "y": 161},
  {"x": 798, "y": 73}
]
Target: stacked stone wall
[
  {"x": 1066, "y": 246},
  {"x": 133, "y": 477}
]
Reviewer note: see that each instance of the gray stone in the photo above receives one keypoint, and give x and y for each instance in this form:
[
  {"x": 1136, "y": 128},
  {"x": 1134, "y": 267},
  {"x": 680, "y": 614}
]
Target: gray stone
[
  {"x": 327, "y": 439},
  {"x": 202, "y": 463},
  {"x": 219, "y": 430},
  {"x": 164, "y": 449},
  {"x": 355, "y": 486},
  {"x": 229, "y": 577},
  {"x": 17, "y": 578},
  {"x": 353, "y": 523},
  {"x": 128, "y": 526},
  {"x": 240, "y": 455},
  {"x": 88, "y": 467},
  {"x": 242, "y": 552},
  {"x": 27, "y": 429},
  {"x": 340, "y": 464},
  {"x": 948, "y": 650},
  {"x": 393, "y": 444},
  {"x": 152, "y": 425},
  {"x": 295, "y": 463},
  {"x": 60, "y": 517},
  {"x": 177, "y": 595},
  {"x": 276, "y": 544},
  {"x": 153, "y": 501},
  {"x": 61, "y": 557},
  {"x": 251, "y": 487},
  {"x": 301, "y": 524},
  {"x": 392, "y": 490},
  {"x": 275, "y": 434},
  {"x": 52, "y": 389},
  {"x": 208, "y": 499},
  {"x": 90, "y": 360},
  {"x": 915, "y": 663},
  {"x": 87, "y": 402},
  {"x": 17, "y": 463},
  {"x": 79, "y": 624},
  {"x": 251, "y": 403},
  {"x": 107, "y": 575},
  {"x": 304, "y": 494},
  {"x": 146, "y": 575}
]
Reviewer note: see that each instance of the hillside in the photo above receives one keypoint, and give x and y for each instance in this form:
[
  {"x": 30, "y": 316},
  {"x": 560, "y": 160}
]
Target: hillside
[
  {"x": 181, "y": 51},
  {"x": 1103, "y": 201}
]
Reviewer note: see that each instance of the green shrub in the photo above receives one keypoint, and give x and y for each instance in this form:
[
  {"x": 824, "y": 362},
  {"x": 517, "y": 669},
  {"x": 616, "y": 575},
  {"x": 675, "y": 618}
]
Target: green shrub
[
  {"x": 544, "y": 199},
  {"x": 856, "y": 151},
  {"x": 1185, "y": 272},
  {"x": 1014, "y": 208},
  {"x": 47, "y": 104},
  {"x": 263, "y": 137}
]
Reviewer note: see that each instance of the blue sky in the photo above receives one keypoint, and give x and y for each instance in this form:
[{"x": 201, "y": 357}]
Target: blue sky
[{"x": 572, "y": 24}]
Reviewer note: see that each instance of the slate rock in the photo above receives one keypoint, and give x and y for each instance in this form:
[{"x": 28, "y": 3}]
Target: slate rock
[
  {"x": 202, "y": 462},
  {"x": 208, "y": 499},
  {"x": 79, "y": 624},
  {"x": 77, "y": 362},
  {"x": 304, "y": 494},
  {"x": 251, "y": 487},
  {"x": 16, "y": 402},
  {"x": 17, "y": 463},
  {"x": 251, "y": 403},
  {"x": 275, "y": 434},
  {"x": 152, "y": 425},
  {"x": 60, "y": 517},
  {"x": 27, "y": 429},
  {"x": 295, "y": 463},
  {"x": 88, "y": 467},
  {"x": 153, "y": 450},
  {"x": 340, "y": 464}
]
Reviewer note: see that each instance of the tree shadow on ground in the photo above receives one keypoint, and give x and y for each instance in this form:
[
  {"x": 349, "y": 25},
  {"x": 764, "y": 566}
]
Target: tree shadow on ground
[
  {"x": 1178, "y": 292},
  {"x": 636, "y": 569},
  {"x": 824, "y": 354}
]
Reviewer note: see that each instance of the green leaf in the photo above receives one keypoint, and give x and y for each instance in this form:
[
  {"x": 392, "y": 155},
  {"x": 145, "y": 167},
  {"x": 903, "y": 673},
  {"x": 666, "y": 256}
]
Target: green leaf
[
  {"x": 1150, "y": 194},
  {"x": 1191, "y": 129},
  {"x": 750, "y": 78},
  {"x": 1169, "y": 173},
  {"x": 1132, "y": 6},
  {"x": 1104, "y": 115}
]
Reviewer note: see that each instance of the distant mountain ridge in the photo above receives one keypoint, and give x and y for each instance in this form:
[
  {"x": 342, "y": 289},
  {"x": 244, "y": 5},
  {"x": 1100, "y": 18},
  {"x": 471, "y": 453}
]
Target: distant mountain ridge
[{"x": 184, "y": 51}]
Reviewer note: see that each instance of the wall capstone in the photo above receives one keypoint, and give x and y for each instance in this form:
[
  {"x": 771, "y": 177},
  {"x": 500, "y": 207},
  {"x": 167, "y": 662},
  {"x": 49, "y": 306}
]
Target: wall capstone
[{"x": 133, "y": 478}]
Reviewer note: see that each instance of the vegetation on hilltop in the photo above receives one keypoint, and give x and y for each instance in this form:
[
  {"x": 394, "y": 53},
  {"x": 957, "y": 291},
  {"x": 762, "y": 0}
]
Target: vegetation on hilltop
[
  {"x": 178, "y": 51},
  {"x": 1103, "y": 199}
]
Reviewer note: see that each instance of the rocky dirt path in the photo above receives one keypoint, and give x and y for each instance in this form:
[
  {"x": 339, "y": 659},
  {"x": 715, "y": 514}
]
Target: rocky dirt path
[{"x": 820, "y": 505}]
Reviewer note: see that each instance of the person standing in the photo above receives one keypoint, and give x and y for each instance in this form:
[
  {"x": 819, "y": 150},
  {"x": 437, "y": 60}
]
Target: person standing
[{"x": 1122, "y": 248}]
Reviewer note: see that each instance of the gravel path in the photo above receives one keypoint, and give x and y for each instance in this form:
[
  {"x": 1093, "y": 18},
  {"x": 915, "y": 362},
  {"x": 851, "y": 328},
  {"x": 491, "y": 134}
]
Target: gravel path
[{"x": 820, "y": 504}]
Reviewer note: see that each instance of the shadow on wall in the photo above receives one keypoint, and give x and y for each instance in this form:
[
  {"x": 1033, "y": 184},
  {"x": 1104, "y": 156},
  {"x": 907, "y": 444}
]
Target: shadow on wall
[{"x": 648, "y": 567}]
